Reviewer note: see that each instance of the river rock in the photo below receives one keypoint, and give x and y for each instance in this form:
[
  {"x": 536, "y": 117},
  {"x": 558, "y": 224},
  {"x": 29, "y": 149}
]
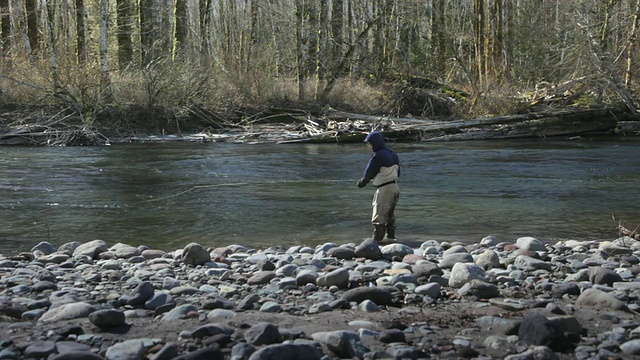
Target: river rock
[
  {"x": 395, "y": 251},
  {"x": 338, "y": 277},
  {"x": 107, "y": 318},
  {"x": 194, "y": 254},
  {"x": 488, "y": 259},
  {"x": 159, "y": 299},
  {"x": 211, "y": 330},
  {"x": 530, "y": 243},
  {"x": 603, "y": 276},
  {"x": 261, "y": 278},
  {"x": 462, "y": 273},
  {"x": 77, "y": 355},
  {"x": 425, "y": 269},
  {"x": 179, "y": 312},
  {"x": 262, "y": 333},
  {"x": 141, "y": 294},
  {"x": 342, "y": 252},
  {"x": 431, "y": 290},
  {"x": 479, "y": 289},
  {"x": 67, "y": 312},
  {"x": 44, "y": 247},
  {"x": 306, "y": 276},
  {"x": 375, "y": 294},
  {"x": 368, "y": 249},
  {"x": 208, "y": 353},
  {"x": 286, "y": 352},
  {"x": 126, "y": 350},
  {"x": 345, "y": 344},
  {"x": 40, "y": 349},
  {"x": 91, "y": 249},
  {"x": 448, "y": 261},
  {"x": 599, "y": 298},
  {"x": 534, "y": 353},
  {"x": 124, "y": 251},
  {"x": 12, "y": 309},
  {"x": 528, "y": 263}
]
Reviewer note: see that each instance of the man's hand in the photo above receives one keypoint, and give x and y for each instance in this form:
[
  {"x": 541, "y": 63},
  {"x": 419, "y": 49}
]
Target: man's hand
[{"x": 362, "y": 183}]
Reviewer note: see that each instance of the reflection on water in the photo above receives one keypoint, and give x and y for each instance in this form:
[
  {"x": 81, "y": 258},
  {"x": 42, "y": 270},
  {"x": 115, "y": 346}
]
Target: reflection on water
[{"x": 167, "y": 195}]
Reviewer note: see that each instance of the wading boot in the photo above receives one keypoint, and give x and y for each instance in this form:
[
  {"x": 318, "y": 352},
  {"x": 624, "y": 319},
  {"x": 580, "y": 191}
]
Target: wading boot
[
  {"x": 391, "y": 233},
  {"x": 378, "y": 233}
]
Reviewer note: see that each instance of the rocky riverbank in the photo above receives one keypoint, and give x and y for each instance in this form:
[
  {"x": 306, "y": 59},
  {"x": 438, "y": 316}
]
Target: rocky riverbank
[{"x": 519, "y": 299}]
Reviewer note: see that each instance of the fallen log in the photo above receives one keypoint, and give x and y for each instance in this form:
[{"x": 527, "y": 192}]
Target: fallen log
[{"x": 568, "y": 122}]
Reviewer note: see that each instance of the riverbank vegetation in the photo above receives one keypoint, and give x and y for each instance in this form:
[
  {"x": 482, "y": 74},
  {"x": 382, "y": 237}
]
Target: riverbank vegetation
[{"x": 78, "y": 72}]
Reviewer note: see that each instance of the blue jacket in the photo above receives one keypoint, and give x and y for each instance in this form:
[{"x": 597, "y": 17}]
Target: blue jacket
[{"x": 382, "y": 156}]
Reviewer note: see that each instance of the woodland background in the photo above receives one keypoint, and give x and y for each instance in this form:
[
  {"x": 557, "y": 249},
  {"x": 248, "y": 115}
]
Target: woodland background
[{"x": 178, "y": 65}]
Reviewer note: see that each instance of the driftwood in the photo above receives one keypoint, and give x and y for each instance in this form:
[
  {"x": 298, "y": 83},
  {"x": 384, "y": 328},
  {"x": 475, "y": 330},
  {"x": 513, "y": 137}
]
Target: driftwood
[{"x": 568, "y": 122}]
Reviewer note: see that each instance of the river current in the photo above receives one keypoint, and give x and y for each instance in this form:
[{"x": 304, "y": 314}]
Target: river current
[{"x": 168, "y": 195}]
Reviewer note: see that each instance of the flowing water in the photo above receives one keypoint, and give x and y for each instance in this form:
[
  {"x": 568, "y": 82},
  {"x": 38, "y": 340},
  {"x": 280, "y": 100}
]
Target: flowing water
[{"x": 168, "y": 195}]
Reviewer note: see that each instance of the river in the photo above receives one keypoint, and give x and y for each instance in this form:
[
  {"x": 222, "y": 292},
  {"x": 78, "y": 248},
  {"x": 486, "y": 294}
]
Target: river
[{"x": 168, "y": 195}]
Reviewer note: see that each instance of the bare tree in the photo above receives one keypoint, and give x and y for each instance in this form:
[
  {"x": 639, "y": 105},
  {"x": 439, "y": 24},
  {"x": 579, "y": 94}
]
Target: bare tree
[
  {"x": 33, "y": 34},
  {"x": 124, "y": 31}
]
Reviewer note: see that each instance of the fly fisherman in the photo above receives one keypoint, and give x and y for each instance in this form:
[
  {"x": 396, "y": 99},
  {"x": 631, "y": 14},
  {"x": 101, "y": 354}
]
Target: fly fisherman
[{"x": 383, "y": 170}]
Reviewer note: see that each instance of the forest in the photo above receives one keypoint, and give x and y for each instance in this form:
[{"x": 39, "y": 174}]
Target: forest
[{"x": 75, "y": 71}]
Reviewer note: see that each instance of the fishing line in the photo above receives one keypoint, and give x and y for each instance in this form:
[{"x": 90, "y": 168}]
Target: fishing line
[{"x": 273, "y": 182}]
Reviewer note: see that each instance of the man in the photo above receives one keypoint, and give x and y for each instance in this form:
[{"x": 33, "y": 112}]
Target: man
[{"x": 383, "y": 170}]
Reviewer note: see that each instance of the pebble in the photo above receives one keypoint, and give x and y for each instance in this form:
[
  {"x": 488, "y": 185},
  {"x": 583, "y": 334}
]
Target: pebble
[{"x": 540, "y": 286}]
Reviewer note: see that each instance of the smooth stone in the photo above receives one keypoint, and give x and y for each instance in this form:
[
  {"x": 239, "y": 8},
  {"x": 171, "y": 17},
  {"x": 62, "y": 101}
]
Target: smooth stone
[
  {"x": 262, "y": 333},
  {"x": 462, "y": 273},
  {"x": 143, "y": 292},
  {"x": 77, "y": 355},
  {"x": 107, "y": 318},
  {"x": 530, "y": 243},
  {"x": 528, "y": 263},
  {"x": 338, "y": 277},
  {"x": 448, "y": 261},
  {"x": 598, "y": 298},
  {"x": 126, "y": 350},
  {"x": 261, "y": 278},
  {"x": 40, "y": 349},
  {"x": 431, "y": 290},
  {"x": 91, "y": 249},
  {"x": 395, "y": 250},
  {"x": 64, "y": 347},
  {"x": 67, "y": 312},
  {"x": 345, "y": 344},
  {"x": 179, "y": 312},
  {"x": 287, "y": 352},
  {"x": 194, "y": 254},
  {"x": 375, "y": 294}
]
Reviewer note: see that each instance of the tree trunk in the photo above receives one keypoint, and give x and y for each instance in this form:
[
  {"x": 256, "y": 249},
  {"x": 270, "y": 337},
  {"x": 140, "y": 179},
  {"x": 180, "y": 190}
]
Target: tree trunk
[
  {"x": 337, "y": 20},
  {"x": 146, "y": 31},
  {"x": 52, "y": 39},
  {"x": 182, "y": 30},
  {"x": 438, "y": 30},
  {"x": 633, "y": 37},
  {"x": 125, "y": 45},
  {"x": 32, "y": 26},
  {"x": 301, "y": 54},
  {"x": 5, "y": 30},
  {"x": 205, "y": 24},
  {"x": 253, "y": 34},
  {"x": 81, "y": 35},
  {"x": 104, "y": 63}
]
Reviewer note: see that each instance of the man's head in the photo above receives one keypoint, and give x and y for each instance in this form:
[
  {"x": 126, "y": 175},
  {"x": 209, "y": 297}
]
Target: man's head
[{"x": 376, "y": 140}]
